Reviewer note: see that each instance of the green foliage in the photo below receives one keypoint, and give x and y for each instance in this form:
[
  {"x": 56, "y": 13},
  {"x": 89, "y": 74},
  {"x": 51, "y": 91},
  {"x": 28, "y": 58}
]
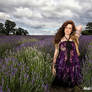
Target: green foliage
[
  {"x": 4, "y": 48},
  {"x": 88, "y": 29},
  {"x": 87, "y": 74},
  {"x": 86, "y": 32},
  {"x": 87, "y": 69},
  {"x": 21, "y": 31},
  {"x": 28, "y": 69},
  {"x": 2, "y": 28},
  {"x": 9, "y": 28}
]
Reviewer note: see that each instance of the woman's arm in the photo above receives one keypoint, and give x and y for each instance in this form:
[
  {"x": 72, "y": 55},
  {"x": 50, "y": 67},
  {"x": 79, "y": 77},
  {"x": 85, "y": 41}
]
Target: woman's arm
[
  {"x": 55, "y": 53},
  {"x": 78, "y": 30},
  {"x": 54, "y": 59}
]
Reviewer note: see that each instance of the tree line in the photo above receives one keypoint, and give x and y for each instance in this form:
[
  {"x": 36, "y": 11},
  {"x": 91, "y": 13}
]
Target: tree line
[
  {"x": 9, "y": 27},
  {"x": 88, "y": 29}
]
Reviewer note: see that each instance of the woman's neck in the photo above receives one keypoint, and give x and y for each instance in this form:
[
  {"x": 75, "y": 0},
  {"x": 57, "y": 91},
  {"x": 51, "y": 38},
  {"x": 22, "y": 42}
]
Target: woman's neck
[{"x": 67, "y": 36}]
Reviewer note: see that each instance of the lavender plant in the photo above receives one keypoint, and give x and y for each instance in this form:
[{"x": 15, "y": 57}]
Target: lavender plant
[
  {"x": 28, "y": 67},
  {"x": 87, "y": 68},
  {"x": 26, "y": 71}
]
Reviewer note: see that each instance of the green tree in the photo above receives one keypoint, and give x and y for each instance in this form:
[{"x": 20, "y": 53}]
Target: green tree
[
  {"x": 1, "y": 28},
  {"x": 88, "y": 29},
  {"x": 9, "y": 26},
  {"x": 21, "y": 31},
  {"x": 24, "y": 32}
]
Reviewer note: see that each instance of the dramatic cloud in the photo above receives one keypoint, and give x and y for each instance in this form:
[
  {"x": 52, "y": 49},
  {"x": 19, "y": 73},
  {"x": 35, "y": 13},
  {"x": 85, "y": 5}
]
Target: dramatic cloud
[{"x": 44, "y": 17}]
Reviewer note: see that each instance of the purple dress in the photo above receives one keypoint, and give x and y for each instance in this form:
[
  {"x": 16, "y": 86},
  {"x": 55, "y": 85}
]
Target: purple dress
[{"x": 68, "y": 70}]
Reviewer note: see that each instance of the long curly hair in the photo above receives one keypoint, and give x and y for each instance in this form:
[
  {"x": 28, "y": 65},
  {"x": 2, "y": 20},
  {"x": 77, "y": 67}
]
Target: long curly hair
[{"x": 60, "y": 33}]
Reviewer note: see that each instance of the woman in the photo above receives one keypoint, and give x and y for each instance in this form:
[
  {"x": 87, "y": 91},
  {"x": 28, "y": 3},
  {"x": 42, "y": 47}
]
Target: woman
[{"x": 66, "y": 64}]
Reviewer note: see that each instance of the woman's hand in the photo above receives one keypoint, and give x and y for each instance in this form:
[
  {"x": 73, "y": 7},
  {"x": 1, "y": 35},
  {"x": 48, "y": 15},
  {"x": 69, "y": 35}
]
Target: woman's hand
[
  {"x": 78, "y": 30},
  {"x": 53, "y": 70}
]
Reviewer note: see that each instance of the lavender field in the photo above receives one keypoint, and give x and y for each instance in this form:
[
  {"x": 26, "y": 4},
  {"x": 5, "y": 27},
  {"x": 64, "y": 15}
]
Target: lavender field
[{"x": 25, "y": 62}]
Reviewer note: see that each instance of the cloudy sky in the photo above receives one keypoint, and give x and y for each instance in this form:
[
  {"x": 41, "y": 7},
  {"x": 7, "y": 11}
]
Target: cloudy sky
[{"x": 44, "y": 17}]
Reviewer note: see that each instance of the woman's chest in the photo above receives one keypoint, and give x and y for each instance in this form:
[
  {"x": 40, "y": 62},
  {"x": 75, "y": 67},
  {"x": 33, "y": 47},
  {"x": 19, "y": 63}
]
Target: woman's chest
[{"x": 63, "y": 46}]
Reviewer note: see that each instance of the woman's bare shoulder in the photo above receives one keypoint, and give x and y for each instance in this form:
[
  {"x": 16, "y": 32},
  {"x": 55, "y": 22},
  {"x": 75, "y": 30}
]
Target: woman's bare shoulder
[{"x": 63, "y": 39}]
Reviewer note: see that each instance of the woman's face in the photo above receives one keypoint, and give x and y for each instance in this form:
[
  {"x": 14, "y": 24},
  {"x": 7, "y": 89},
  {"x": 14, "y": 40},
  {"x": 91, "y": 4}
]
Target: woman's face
[{"x": 68, "y": 29}]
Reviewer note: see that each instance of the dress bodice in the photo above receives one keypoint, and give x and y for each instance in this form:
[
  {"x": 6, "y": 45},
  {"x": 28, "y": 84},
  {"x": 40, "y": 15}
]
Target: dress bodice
[
  {"x": 67, "y": 49},
  {"x": 66, "y": 45}
]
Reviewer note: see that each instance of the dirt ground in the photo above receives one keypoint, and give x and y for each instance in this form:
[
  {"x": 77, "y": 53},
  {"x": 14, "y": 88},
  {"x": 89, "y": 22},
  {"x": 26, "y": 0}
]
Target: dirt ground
[{"x": 75, "y": 89}]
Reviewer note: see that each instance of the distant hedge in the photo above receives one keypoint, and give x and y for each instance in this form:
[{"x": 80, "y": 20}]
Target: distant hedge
[{"x": 86, "y": 32}]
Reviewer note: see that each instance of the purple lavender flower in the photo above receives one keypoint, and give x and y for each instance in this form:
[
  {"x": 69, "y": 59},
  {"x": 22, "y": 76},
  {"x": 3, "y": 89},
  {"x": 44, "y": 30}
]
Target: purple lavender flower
[{"x": 1, "y": 90}]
